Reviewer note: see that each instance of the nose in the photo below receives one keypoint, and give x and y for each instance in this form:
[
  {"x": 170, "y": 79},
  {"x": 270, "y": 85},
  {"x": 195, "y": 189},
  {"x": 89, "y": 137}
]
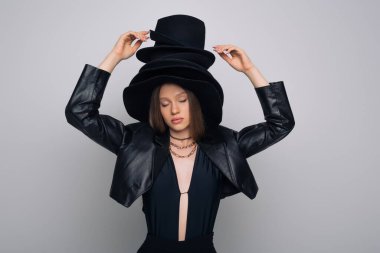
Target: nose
[{"x": 175, "y": 108}]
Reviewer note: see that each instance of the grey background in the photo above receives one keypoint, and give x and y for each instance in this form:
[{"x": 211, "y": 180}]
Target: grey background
[{"x": 318, "y": 187}]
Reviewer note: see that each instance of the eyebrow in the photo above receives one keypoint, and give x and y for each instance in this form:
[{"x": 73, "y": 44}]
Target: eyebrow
[{"x": 181, "y": 93}]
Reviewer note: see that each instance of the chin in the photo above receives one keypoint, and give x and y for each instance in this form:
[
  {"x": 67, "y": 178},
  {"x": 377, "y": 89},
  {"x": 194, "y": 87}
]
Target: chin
[{"x": 178, "y": 127}]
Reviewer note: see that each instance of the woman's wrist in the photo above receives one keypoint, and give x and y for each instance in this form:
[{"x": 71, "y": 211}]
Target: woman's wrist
[
  {"x": 256, "y": 78},
  {"x": 109, "y": 63}
]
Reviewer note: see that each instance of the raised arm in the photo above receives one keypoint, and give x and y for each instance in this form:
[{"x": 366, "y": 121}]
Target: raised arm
[
  {"x": 279, "y": 120},
  {"x": 82, "y": 110}
]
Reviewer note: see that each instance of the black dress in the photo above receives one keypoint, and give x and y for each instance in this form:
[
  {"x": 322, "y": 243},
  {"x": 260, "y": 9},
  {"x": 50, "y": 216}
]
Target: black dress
[{"x": 161, "y": 202}]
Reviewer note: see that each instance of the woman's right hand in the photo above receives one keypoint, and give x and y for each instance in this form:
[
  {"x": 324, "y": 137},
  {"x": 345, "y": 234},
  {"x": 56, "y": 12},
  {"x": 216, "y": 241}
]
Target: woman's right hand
[{"x": 123, "y": 48}]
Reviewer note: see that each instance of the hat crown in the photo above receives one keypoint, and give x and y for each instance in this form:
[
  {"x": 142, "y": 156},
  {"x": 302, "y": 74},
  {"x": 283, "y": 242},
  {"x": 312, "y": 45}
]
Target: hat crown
[
  {"x": 180, "y": 30},
  {"x": 176, "y": 35}
]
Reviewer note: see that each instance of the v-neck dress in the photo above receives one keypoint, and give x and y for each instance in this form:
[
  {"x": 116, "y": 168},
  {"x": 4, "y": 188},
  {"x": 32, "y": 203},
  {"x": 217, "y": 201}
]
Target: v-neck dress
[{"x": 161, "y": 202}]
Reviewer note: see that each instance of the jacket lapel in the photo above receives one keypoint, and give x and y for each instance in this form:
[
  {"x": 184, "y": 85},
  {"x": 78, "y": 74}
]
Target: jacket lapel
[
  {"x": 215, "y": 148},
  {"x": 212, "y": 144},
  {"x": 161, "y": 152}
]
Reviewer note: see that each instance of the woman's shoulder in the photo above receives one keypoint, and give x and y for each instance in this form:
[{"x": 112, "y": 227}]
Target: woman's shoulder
[
  {"x": 137, "y": 126},
  {"x": 219, "y": 133},
  {"x": 140, "y": 129},
  {"x": 225, "y": 129}
]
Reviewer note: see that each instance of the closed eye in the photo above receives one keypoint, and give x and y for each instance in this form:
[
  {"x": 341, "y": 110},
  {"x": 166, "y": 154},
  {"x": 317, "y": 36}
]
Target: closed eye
[{"x": 181, "y": 101}]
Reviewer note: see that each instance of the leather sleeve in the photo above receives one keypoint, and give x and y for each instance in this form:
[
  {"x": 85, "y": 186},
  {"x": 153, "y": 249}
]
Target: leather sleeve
[
  {"x": 279, "y": 120},
  {"x": 82, "y": 110}
]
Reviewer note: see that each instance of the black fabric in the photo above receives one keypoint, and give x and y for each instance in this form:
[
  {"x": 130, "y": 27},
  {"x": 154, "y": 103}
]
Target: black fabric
[
  {"x": 178, "y": 33},
  {"x": 201, "y": 244},
  {"x": 161, "y": 202}
]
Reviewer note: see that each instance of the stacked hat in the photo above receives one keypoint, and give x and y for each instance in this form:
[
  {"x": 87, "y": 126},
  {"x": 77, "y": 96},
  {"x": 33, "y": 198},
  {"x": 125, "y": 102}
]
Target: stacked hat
[{"x": 178, "y": 56}]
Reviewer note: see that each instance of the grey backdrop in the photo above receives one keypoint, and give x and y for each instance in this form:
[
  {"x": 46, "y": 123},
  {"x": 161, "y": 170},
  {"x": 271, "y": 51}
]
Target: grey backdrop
[{"x": 318, "y": 187}]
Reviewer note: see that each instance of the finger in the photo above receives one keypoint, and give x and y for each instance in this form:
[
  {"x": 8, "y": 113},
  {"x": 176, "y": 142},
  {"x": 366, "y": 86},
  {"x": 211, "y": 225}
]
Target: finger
[
  {"x": 227, "y": 48},
  {"x": 134, "y": 35},
  {"x": 225, "y": 57},
  {"x": 137, "y": 35},
  {"x": 144, "y": 35},
  {"x": 137, "y": 45},
  {"x": 128, "y": 37},
  {"x": 218, "y": 48},
  {"x": 223, "y": 52},
  {"x": 129, "y": 34},
  {"x": 234, "y": 51}
]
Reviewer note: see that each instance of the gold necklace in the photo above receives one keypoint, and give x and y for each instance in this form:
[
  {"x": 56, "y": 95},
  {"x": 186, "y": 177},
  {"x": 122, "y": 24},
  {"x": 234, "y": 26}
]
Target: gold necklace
[
  {"x": 181, "y": 156},
  {"x": 175, "y": 145}
]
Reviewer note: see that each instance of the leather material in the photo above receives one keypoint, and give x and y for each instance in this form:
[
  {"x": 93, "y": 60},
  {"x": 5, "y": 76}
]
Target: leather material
[{"x": 141, "y": 153}]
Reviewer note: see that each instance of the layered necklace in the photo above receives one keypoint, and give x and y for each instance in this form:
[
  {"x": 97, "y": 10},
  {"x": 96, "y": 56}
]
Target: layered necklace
[{"x": 182, "y": 147}]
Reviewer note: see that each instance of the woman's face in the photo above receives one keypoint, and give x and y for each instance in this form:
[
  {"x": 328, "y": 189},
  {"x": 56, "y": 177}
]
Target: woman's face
[{"x": 174, "y": 104}]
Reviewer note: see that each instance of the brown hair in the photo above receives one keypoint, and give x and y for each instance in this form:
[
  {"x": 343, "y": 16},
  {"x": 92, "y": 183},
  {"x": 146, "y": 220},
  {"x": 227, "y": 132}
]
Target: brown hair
[{"x": 156, "y": 121}]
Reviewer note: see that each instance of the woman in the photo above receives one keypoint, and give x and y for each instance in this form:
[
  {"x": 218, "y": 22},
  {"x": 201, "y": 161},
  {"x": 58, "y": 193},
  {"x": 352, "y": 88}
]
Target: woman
[{"x": 178, "y": 159}]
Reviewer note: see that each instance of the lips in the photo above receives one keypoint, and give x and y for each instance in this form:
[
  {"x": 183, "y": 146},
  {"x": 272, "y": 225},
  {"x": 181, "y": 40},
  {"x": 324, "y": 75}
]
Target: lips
[{"x": 177, "y": 120}]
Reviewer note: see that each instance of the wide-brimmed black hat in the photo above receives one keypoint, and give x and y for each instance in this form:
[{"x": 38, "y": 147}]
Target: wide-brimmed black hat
[
  {"x": 177, "y": 57},
  {"x": 177, "y": 34}
]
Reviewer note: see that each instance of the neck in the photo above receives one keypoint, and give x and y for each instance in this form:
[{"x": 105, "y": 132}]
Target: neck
[{"x": 184, "y": 134}]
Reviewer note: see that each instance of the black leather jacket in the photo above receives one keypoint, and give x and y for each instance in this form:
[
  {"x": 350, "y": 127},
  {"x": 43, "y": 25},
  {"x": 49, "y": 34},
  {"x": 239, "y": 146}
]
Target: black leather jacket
[{"x": 141, "y": 153}]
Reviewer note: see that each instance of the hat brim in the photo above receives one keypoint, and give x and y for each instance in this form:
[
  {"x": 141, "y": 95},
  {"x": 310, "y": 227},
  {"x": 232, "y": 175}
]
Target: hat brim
[
  {"x": 188, "y": 58},
  {"x": 175, "y": 67},
  {"x": 137, "y": 98},
  {"x": 147, "y": 54}
]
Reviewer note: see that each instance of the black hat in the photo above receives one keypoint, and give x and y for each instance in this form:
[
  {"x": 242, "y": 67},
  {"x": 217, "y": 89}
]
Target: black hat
[
  {"x": 182, "y": 65},
  {"x": 176, "y": 34}
]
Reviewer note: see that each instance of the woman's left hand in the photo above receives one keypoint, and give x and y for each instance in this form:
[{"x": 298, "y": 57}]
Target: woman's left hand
[{"x": 239, "y": 59}]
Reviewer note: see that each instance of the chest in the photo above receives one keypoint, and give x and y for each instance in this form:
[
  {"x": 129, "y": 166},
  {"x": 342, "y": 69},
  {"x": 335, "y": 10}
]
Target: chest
[
  {"x": 184, "y": 169},
  {"x": 201, "y": 177}
]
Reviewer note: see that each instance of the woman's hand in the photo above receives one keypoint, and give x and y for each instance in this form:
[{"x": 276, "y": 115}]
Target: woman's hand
[
  {"x": 239, "y": 59},
  {"x": 123, "y": 49}
]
